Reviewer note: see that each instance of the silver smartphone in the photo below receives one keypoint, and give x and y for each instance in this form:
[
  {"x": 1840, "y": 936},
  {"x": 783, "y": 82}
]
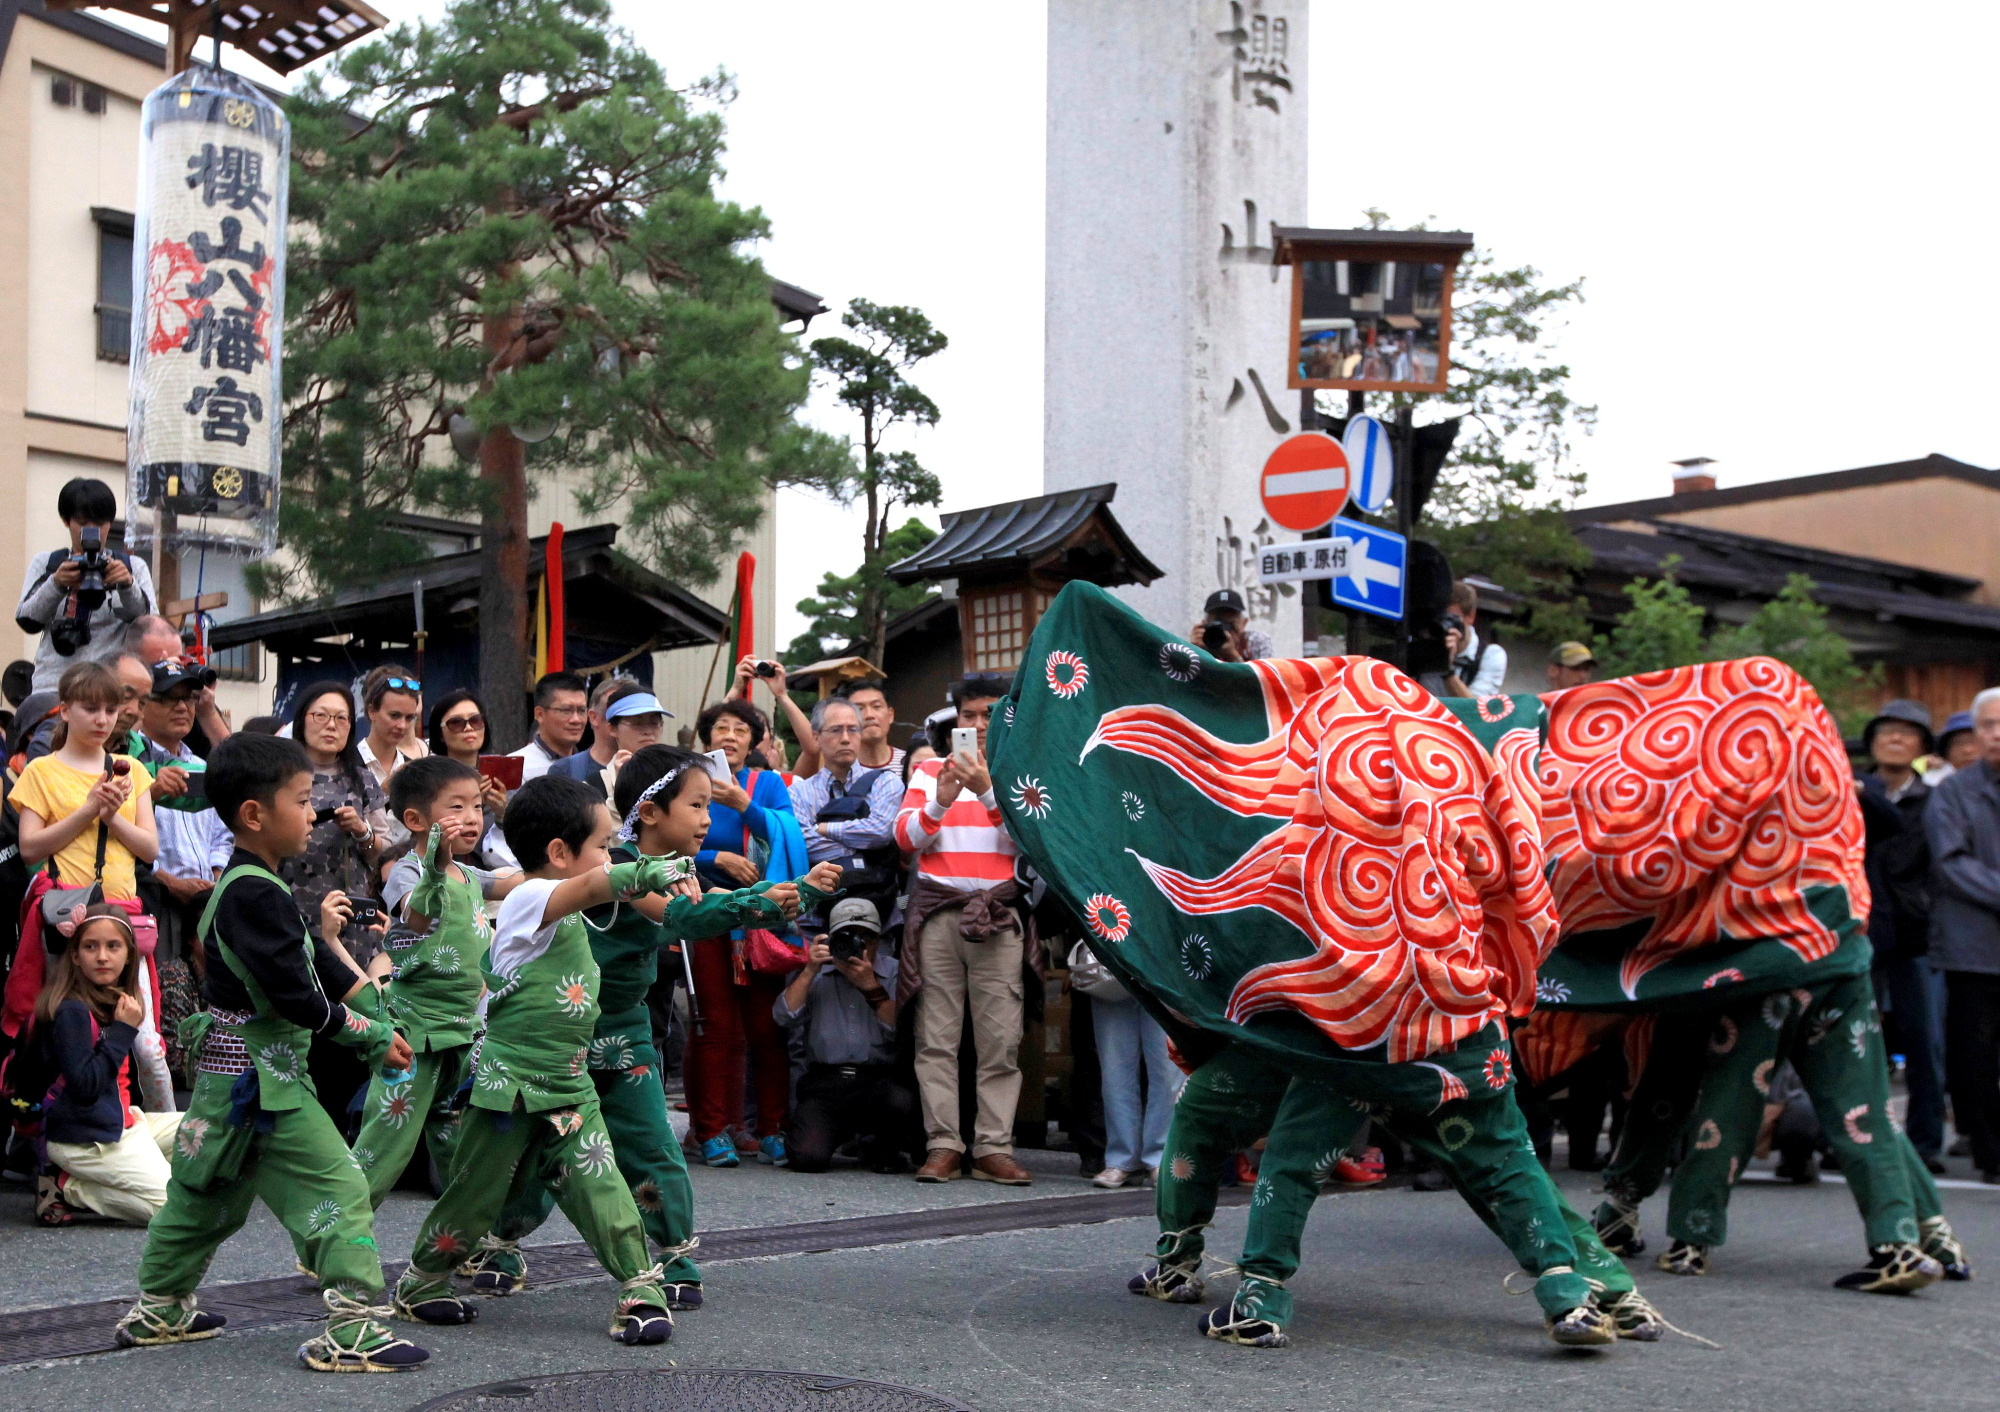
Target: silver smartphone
[
  {"x": 965, "y": 740},
  {"x": 718, "y": 766}
]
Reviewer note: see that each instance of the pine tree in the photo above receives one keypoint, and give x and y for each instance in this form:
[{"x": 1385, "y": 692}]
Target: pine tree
[
  {"x": 868, "y": 373},
  {"x": 508, "y": 218},
  {"x": 839, "y": 614}
]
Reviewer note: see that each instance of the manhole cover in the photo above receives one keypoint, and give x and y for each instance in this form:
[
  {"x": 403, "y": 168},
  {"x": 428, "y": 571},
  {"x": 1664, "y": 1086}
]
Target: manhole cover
[{"x": 691, "y": 1390}]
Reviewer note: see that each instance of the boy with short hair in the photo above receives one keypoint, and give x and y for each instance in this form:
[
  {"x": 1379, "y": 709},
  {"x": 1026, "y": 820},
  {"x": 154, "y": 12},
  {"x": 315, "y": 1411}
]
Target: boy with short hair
[
  {"x": 255, "y": 1127},
  {"x": 437, "y": 940},
  {"x": 535, "y": 1114}
]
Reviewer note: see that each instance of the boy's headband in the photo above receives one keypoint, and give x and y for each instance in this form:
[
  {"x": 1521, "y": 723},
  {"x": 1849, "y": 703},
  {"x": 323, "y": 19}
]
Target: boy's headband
[{"x": 630, "y": 830}]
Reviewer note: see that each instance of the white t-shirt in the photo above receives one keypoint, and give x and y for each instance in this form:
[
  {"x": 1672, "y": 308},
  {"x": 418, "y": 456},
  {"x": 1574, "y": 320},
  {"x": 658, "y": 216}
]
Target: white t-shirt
[{"x": 518, "y": 934}]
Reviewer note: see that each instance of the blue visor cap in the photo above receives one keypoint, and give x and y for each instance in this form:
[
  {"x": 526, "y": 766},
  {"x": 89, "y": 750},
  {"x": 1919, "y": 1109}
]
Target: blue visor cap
[{"x": 639, "y": 703}]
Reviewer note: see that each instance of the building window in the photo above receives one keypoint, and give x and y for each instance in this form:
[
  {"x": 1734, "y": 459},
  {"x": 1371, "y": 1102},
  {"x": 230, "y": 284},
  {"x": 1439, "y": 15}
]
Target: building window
[
  {"x": 62, "y": 91},
  {"x": 114, "y": 285},
  {"x": 999, "y": 630}
]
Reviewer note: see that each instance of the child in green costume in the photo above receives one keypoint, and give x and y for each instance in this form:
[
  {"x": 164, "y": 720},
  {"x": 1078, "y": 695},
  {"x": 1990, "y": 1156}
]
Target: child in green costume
[
  {"x": 662, "y": 795},
  {"x": 439, "y": 952},
  {"x": 255, "y": 1128}
]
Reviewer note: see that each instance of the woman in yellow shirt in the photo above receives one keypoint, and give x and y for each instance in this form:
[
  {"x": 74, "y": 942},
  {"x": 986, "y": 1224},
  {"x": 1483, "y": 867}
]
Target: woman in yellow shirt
[{"x": 62, "y": 797}]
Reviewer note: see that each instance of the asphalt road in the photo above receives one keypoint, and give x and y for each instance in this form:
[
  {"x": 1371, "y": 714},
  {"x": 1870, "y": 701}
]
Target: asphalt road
[{"x": 1399, "y": 1306}]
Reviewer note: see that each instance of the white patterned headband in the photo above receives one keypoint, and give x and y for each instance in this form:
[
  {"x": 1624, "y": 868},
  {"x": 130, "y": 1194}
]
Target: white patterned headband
[{"x": 630, "y": 830}]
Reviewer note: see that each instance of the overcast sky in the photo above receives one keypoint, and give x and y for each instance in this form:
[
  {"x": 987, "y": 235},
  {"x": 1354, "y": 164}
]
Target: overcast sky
[{"x": 1777, "y": 209}]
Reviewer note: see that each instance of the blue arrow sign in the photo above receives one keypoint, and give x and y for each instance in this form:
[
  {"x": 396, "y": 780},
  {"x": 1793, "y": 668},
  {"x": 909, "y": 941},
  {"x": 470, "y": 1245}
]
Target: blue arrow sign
[
  {"x": 1372, "y": 471},
  {"x": 1365, "y": 566}
]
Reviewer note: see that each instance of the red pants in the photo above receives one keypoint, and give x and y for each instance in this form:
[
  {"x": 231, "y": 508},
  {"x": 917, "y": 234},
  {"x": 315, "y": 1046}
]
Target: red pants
[{"x": 735, "y": 1019}]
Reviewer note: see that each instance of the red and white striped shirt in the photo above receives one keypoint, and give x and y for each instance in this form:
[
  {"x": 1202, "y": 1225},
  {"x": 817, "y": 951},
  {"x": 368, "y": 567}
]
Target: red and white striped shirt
[{"x": 965, "y": 846}]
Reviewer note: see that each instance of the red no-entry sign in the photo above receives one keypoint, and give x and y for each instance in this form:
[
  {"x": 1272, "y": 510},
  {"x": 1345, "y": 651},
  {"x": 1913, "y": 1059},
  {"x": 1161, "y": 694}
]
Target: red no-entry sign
[{"x": 1305, "y": 481}]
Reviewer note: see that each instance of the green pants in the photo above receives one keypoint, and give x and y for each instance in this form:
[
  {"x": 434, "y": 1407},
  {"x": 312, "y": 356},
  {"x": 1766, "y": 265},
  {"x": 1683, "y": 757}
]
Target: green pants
[
  {"x": 649, "y": 1159},
  {"x": 1658, "y": 1113},
  {"x": 1481, "y": 1144},
  {"x": 1832, "y": 1034},
  {"x": 300, "y": 1168},
  {"x": 500, "y": 1155},
  {"x": 396, "y": 1115}
]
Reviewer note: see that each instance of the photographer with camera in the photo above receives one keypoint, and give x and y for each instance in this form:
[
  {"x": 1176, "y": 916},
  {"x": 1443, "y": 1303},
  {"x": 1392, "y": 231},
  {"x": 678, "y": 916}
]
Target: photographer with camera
[
  {"x": 77, "y": 598},
  {"x": 772, "y": 674},
  {"x": 848, "y": 812},
  {"x": 1477, "y": 668},
  {"x": 1224, "y": 631},
  {"x": 845, "y": 997}
]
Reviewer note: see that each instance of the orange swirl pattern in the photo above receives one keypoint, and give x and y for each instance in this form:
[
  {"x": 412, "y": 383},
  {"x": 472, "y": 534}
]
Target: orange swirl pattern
[
  {"x": 1411, "y": 858},
  {"x": 1707, "y": 798}
]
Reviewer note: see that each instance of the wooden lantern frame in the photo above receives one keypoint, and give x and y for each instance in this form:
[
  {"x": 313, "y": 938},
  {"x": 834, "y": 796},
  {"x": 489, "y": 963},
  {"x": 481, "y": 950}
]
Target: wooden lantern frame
[{"x": 1298, "y": 245}]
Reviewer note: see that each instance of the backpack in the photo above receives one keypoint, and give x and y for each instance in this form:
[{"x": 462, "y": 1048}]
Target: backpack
[{"x": 873, "y": 873}]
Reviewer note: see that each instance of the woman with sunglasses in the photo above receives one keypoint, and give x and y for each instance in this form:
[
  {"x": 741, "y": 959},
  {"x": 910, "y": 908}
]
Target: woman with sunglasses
[
  {"x": 390, "y": 696},
  {"x": 458, "y": 729}
]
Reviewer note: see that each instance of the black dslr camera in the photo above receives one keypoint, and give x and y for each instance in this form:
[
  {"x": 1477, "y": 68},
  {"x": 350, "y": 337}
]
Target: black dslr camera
[
  {"x": 849, "y": 943},
  {"x": 766, "y": 670},
  {"x": 93, "y": 561},
  {"x": 1214, "y": 633}
]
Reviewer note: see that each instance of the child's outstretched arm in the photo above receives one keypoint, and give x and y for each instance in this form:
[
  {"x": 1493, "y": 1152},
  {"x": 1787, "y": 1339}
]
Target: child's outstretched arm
[
  {"x": 763, "y": 904},
  {"x": 426, "y": 900},
  {"x": 619, "y": 882}
]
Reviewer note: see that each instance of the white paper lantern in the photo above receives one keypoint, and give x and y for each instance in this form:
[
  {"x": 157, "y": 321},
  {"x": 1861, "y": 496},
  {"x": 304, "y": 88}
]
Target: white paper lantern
[{"x": 207, "y": 407}]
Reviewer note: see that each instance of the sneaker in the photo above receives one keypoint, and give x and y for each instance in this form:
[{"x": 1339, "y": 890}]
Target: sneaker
[
  {"x": 497, "y": 1268},
  {"x": 1680, "y": 1258},
  {"x": 357, "y": 1341},
  {"x": 1582, "y": 1327},
  {"x": 1941, "y": 1244},
  {"x": 771, "y": 1151},
  {"x": 1238, "y": 1322},
  {"x": 429, "y": 1299},
  {"x": 1617, "y": 1225},
  {"x": 719, "y": 1151},
  {"x": 1356, "y": 1171},
  {"x": 1171, "y": 1284},
  {"x": 1111, "y": 1178},
  {"x": 158, "y": 1319},
  {"x": 50, "y": 1207},
  {"x": 1893, "y": 1269}
]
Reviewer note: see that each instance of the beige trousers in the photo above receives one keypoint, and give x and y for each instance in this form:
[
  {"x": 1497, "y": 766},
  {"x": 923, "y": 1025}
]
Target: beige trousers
[
  {"x": 988, "y": 975},
  {"x": 125, "y": 1180}
]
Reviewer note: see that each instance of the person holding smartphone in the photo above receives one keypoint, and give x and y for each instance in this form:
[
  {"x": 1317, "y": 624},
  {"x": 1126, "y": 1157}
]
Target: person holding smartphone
[{"x": 964, "y": 945}]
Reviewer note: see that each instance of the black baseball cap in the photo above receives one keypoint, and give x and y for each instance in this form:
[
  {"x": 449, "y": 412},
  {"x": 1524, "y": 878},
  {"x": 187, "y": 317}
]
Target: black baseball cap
[
  {"x": 1225, "y": 600},
  {"x": 179, "y": 671}
]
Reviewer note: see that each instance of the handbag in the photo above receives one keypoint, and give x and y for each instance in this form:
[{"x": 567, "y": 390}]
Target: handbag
[
  {"x": 1088, "y": 974},
  {"x": 63, "y": 907},
  {"x": 766, "y": 953}
]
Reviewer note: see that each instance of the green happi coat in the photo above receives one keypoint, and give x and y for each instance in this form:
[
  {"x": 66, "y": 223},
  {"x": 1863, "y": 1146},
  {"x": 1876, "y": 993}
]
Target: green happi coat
[
  {"x": 262, "y": 1133},
  {"x": 624, "y": 1063}
]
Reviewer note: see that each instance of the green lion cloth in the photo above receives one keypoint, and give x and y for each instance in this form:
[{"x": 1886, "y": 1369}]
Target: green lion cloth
[{"x": 1315, "y": 857}]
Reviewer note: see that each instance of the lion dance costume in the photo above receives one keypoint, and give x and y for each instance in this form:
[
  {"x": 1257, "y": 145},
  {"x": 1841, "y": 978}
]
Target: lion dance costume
[{"x": 1336, "y": 892}]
